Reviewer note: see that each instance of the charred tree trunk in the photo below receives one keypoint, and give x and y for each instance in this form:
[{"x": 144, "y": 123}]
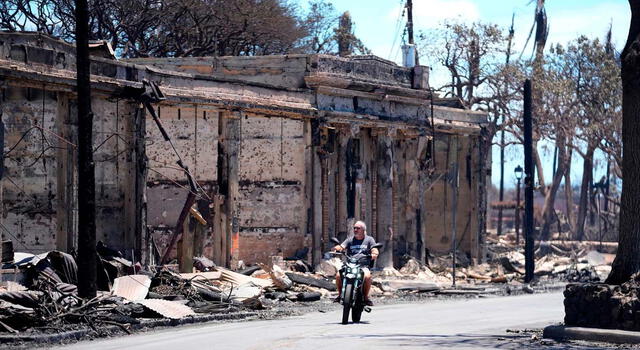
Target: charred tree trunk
[
  {"x": 538, "y": 164},
  {"x": 627, "y": 261},
  {"x": 587, "y": 170},
  {"x": 548, "y": 210},
  {"x": 501, "y": 193},
  {"x": 86, "y": 177},
  {"x": 568, "y": 192}
]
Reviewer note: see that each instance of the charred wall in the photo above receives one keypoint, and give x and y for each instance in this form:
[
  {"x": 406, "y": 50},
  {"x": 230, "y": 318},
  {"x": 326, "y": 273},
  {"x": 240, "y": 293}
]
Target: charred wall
[
  {"x": 286, "y": 152},
  {"x": 39, "y": 211}
]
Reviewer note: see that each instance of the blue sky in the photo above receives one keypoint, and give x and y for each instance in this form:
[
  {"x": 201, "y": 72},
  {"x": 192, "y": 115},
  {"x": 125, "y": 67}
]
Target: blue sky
[{"x": 376, "y": 23}]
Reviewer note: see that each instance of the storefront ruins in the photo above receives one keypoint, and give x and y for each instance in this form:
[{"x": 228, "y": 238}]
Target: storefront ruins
[{"x": 285, "y": 151}]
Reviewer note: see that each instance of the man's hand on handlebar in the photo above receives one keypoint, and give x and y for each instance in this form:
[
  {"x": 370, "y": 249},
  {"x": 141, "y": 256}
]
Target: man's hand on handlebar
[{"x": 374, "y": 253}]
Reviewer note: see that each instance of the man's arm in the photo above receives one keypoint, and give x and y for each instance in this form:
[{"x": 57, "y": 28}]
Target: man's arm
[{"x": 343, "y": 245}]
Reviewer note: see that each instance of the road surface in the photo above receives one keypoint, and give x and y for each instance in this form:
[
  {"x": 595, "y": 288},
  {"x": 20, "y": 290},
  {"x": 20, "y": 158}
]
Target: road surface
[{"x": 460, "y": 324}]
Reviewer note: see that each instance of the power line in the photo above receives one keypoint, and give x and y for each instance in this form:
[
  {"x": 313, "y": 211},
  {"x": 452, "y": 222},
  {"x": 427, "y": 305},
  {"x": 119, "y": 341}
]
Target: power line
[{"x": 398, "y": 26}]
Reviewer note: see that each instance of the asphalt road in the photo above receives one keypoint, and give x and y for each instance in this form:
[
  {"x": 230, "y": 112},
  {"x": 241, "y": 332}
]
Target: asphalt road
[{"x": 460, "y": 324}]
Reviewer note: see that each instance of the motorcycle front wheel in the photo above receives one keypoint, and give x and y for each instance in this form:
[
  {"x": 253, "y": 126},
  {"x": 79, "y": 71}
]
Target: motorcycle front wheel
[
  {"x": 358, "y": 307},
  {"x": 348, "y": 295}
]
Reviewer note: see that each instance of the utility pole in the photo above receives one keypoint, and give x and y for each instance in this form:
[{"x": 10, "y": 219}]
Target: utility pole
[
  {"x": 529, "y": 172},
  {"x": 410, "y": 21},
  {"x": 518, "y": 213},
  {"x": 86, "y": 175},
  {"x": 501, "y": 193},
  {"x": 606, "y": 195},
  {"x": 410, "y": 48}
]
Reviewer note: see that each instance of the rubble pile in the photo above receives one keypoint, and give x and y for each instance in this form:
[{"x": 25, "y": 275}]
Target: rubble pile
[
  {"x": 568, "y": 261},
  {"x": 39, "y": 292},
  {"x": 603, "y": 306}
]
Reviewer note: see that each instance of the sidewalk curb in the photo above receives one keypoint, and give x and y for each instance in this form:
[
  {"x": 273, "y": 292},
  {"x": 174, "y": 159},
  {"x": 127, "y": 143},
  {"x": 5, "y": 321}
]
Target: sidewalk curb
[
  {"x": 149, "y": 323},
  {"x": 591, "y": 334}
]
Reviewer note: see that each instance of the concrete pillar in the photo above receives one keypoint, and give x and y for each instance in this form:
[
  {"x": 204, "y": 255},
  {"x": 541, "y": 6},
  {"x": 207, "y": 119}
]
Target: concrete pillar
[{"x": 384, "y": 199}]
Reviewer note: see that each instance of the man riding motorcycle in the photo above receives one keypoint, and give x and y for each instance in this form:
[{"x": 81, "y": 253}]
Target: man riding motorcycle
[{"x": 360, "y": 242}]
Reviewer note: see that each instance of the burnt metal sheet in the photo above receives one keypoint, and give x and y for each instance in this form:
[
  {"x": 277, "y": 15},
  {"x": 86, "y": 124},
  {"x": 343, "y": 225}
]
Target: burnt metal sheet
[
  {"x": 239, "y": 279},
  {"x": 245, "y": 291},
  {"x": 167, "y": 308},
  {"x": 209, "y": 275},
  {"x": 132, "y": 287}
]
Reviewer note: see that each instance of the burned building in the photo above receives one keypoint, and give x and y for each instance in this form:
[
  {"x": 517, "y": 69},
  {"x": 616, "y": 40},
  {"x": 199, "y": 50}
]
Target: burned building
[{"x": 284, "y": 152}]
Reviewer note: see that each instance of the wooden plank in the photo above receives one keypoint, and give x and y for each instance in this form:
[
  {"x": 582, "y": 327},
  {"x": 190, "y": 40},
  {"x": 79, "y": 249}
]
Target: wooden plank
[
  {"x": 219, "y": 231},
  {"x": 208, "y": 275},
  {"x": 311, "y": 281},
  {"x": 185, "y": 257},
  {"x": 191, "y": 198}
]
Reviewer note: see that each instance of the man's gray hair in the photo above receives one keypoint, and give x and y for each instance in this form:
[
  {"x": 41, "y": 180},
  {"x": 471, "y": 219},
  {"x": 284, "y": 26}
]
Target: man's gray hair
[{"x": 362, "y": 224}]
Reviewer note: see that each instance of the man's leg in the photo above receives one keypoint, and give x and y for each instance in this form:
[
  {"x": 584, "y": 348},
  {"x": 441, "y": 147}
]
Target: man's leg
[
  {"x": 367, "y": 286},
  {"x": 338, "y": 286}
]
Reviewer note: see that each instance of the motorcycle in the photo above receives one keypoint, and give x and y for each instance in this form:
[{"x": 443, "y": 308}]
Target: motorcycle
[{"x": 352, "y": 297}]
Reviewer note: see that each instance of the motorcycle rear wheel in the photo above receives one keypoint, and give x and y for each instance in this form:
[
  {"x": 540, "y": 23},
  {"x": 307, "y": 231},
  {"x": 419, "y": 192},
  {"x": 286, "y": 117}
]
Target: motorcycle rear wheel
[{"x": 348, "y": 295}]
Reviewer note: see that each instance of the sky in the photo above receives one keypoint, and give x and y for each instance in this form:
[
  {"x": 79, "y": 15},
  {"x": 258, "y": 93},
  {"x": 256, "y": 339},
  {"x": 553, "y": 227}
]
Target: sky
[{"x": 378, "y": 23}]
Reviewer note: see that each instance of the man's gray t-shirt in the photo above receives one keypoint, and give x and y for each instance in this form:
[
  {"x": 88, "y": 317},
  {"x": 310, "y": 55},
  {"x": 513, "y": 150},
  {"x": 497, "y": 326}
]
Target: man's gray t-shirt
[{"x": 354, "y": 246}]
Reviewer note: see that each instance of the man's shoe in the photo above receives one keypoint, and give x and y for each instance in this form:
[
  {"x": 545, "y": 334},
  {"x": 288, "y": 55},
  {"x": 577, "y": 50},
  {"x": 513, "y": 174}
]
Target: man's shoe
[
  {"x": 368, "y": 302},
  {"x": 337, "y": 299}
]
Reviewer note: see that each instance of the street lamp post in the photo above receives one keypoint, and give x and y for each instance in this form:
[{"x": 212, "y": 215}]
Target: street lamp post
[{"x": 518, "y": 172}]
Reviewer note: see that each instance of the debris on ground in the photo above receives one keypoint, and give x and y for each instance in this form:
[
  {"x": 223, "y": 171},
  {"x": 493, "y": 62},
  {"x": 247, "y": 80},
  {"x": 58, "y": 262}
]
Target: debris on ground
[{"x": 38, "y": 293}]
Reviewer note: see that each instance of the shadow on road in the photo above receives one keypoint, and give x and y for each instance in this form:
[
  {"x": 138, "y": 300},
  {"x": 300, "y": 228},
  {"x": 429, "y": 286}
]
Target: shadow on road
[{"x": 466, "y": 341}]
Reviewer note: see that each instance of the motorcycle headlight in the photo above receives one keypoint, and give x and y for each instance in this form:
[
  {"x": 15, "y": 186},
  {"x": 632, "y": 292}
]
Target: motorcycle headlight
[{"x": 351, "y": 275}]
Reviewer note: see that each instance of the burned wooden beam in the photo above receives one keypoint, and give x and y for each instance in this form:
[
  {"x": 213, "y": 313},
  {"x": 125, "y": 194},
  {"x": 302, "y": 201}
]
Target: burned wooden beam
[
  {"x": 311, "y": 281},
  {"x": 191, "y": 199}
]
